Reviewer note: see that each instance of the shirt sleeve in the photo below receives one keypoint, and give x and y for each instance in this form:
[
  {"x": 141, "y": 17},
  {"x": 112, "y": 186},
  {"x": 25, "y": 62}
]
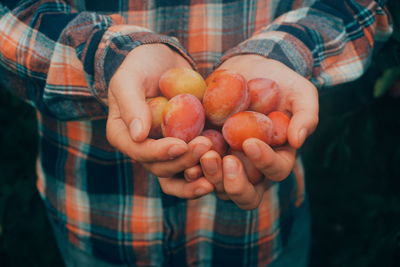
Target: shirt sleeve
[
  {"x": 61, "y": 61},
  {"x": 329, "y": 42}
]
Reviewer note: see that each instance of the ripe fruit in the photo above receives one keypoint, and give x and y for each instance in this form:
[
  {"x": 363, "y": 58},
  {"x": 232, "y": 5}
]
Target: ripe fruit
[
  {"x": 244, "y": 125},
  {"x": 212, "y": 76},
  {"x": 264, "y": 95},
  {"x": 280, "y": 123},
  {"x": 156, "y": 105},
  {"x": 183, "y": 117},
  {"x": 225, "y": 95},
  {"x": 218, "y": 142},
  {"x": 177, "y": 81}
]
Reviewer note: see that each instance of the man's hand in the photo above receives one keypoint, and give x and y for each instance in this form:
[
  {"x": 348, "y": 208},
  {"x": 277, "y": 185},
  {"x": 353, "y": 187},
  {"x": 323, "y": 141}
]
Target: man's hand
[
  {"x": 299, "y": 98},
  {"x": 129, "y": 120}
]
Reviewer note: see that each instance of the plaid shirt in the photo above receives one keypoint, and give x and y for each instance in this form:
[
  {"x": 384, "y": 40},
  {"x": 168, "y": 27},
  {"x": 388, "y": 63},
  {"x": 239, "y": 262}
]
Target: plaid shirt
[{"x": 60, "y": 56}]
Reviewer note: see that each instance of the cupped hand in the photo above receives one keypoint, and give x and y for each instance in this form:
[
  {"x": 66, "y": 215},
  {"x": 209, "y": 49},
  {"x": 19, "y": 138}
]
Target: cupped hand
[
  {"x": 300, "y": 99},
  {"x": 129, "y": 118}
]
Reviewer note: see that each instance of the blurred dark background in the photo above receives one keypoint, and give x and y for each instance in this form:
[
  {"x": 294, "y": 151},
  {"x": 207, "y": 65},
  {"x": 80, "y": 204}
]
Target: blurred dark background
[{"x": 352, "y": 166}]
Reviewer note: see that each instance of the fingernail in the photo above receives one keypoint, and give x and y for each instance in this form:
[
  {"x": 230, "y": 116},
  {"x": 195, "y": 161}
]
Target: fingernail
[
  {"x": 253, "y": 149},
  {"x": 176, "y": 150},
  {"x": 199, "y": 150},
  {"x": 136, "y": 128},
  {"x": 230, "y": 167},
  {"x": 302, "y": 136},
  {"x": 210, "y": 166},
  {"x": 199, "y": 192}
]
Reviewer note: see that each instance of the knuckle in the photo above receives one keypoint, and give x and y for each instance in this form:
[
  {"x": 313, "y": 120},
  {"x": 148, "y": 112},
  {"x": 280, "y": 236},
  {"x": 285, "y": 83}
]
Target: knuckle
[{"x": 235, "y": 191}]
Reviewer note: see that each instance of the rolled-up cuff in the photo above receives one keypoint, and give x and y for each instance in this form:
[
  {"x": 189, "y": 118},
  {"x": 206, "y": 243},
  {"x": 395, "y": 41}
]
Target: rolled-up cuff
[{"x": 115, "y": 45}]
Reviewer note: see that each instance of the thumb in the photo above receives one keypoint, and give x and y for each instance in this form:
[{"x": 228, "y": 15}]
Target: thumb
[
  {"x": 133, "y": 109},
  {"x": 305, "y": 116}
]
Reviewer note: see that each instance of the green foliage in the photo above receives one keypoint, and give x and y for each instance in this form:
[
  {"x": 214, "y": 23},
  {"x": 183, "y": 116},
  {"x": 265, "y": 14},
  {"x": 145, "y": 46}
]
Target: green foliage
[
  {"x": 387, "y": 60},
  {"x": 383, "y": 84}
]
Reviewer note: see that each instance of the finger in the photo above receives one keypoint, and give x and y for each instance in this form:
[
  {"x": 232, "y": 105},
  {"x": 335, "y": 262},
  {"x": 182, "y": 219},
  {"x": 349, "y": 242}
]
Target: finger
[
  {"x": 253, "y": 174},
  {"x": 274, "y": 164},
  {"x": 181, "y": 188},
  {"x": 211, "y": 163},
  {"x": 131, "y": 101},
  {"x": 193, "y": 173},
  {"x": 197, "y": 147},
  {"x": 304, "y": 107},
  {"x": 237, "y": 186},
  {"x": 149, "y": 150}
]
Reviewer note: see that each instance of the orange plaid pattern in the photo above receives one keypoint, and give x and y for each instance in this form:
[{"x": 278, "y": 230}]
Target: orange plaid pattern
[{"x": 60, "y": 56}]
